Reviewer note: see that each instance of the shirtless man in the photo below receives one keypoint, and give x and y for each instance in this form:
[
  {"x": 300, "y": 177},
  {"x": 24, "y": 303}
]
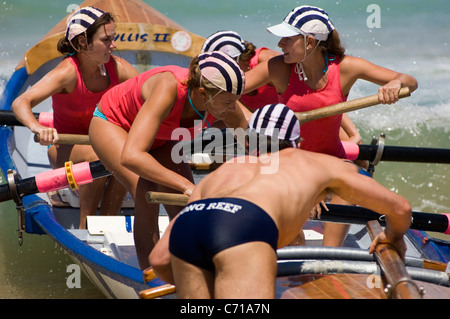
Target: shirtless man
[{"x": 223, "y": 243}]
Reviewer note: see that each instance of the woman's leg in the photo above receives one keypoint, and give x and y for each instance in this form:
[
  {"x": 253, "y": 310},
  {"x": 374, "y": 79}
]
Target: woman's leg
[
  {"x": 113, "y": 197},
  {"x": 107, "y": 141},
  {"x": 146, "y": 230}
]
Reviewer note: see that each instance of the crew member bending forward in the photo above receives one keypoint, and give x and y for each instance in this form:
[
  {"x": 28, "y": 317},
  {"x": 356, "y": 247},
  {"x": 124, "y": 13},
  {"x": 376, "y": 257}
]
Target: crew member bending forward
[{"x": 223, "y": 244}]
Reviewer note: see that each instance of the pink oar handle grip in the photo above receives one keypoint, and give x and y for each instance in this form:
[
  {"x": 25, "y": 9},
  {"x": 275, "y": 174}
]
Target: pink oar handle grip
[
  {"x": 46, "y": 119},
  {"x": 351, "y": 149},
  {"x": 448, "y": 227},
  {"x": 57, "y": 179}
]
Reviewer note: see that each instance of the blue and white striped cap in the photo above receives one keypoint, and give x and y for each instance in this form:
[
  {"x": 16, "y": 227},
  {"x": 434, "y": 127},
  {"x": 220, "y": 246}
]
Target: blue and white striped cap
[
  {"x": 222, "y": 71},
  {"x": 229, "y": 42},
  {"x": 277, "y": 121},
  {"x": 81, "y": 20},
  {"x": 305, "y": 20}
]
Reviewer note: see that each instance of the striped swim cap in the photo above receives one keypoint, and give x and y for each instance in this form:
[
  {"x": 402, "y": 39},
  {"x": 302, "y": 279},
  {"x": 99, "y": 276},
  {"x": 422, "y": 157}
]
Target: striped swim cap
[
  {"x": 81, "y": 20},
  {"x": 228, "y": 42},
  {"x": 305, "y": 20},
  {"x": 222, "y": 71},
  {"x": 277, "y": 121}
]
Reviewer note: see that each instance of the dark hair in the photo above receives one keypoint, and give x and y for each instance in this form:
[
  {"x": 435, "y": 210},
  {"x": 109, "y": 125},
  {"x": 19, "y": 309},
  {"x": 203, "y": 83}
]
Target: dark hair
[
  {"x": 64, "y": 45},
  {"x": 333, "y": 45},
  {"x": 249, "y": 51}
]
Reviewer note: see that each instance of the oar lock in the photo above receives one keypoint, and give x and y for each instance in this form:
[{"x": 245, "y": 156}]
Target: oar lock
[
  {"x": 380, "y": 142},
  {"x": 13, "y": 178},
  {"x": 390, "y": 290}
]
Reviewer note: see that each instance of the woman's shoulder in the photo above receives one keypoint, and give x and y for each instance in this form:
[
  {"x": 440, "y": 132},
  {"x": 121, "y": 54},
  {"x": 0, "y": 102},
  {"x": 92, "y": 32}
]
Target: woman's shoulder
[
  {"x": 124, "y": 69},
  {"x": 266, "y": 54},
  {"x": 348, "y": 62},
  {"x": 65, "y": 74},
  {"x": 161, "y": 83}
]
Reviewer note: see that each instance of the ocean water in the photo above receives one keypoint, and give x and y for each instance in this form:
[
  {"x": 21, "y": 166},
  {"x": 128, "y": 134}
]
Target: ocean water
[{"x": 409, "y": 36}]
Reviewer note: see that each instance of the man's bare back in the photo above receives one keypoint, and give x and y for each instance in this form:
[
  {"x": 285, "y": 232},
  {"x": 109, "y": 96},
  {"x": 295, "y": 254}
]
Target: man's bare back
[{"x": 302, "y": 179}]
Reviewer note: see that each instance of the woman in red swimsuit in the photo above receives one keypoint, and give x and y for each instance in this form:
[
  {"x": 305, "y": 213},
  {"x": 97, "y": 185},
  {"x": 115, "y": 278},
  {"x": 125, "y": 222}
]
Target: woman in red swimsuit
[
  {"x": 248, "y": 57},
  {"x": 76, "y": 85},
  {"x": 314, "y": 72},
  {"x": 132, "y": 130}
]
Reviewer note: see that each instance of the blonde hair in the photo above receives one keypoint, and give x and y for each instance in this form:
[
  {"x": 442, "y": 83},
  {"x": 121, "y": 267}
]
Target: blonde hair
[{"x": 196, "y": 80}]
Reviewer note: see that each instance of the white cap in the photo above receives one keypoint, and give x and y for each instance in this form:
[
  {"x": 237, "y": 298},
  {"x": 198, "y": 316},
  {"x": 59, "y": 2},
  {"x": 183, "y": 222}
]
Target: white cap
[
  {"x": 81, "y": 20},
  {"x": 305, "y": 20},
  {"x": 222, "y": 71},
  {"x": 276, "y": 120},
  {"x": 228, "y": 42}
]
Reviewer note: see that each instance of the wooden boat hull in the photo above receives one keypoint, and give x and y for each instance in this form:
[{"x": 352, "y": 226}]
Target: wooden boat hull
[{"x": 346, "y": 286}]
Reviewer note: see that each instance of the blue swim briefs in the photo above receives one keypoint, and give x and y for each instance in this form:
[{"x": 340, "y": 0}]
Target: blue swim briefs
[{"x": 206, "y": 227}]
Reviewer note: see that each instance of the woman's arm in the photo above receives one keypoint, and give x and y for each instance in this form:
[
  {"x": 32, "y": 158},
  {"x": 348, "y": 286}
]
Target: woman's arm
[
  {"x": 61, "y": 79},
  {"x": 160, "y": 94},
  {"x": 348, "y": 131},
  {"x": 273, "y": 71},
  {"x": 353, "y": 68},
  {"x": 365, "y": 191}
]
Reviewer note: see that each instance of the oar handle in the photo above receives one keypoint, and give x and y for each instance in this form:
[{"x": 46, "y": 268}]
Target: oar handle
[
  {"x": 69, "y": 139},
  {"x": 401, "y": 284},
  {"x": 167, "y": 198},
  {"x": 344, "y": 107},
  {"x": 157, "y": 292}
]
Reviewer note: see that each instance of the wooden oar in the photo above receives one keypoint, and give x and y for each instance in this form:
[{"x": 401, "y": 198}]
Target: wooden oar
[
  {"x": 69, "y": 139},
  {"x": 167, "y": 198},
  {"x": 336, "y": 213},
  {"x": 68, "y": 176},
  {"x": 394, "y": 270},
  {"x": 344, "y": 107},
  {"x": 302, "y": 117},
  {"x": 155, "y": 292}
]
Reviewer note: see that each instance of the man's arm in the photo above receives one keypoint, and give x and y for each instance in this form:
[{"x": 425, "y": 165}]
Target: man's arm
[{"x": 365, "y": 191}]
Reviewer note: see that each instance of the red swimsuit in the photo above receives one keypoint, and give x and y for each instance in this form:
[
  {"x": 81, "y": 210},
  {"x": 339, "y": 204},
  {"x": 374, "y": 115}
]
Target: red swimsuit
[
  {"x": 321, "y": 136},
  {"x": 72, "y": 112},
  {"x": 265, "y": 94},
  {"x": 122, "y": 103}
]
